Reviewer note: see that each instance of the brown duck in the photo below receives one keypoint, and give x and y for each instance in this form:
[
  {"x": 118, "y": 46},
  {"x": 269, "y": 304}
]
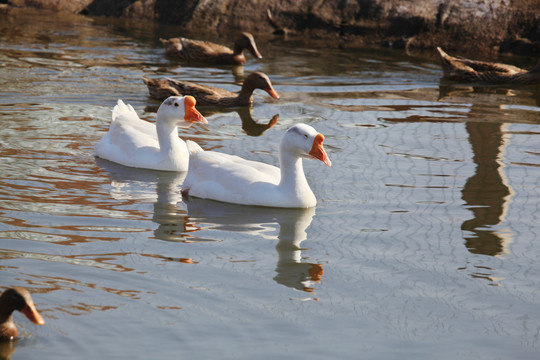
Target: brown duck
[
  {"x": 12, "y": 299},
  {"x": 462, "y": 69},
  {"x": 208, "y": 52},
  {"x": 209, "y": 95}
]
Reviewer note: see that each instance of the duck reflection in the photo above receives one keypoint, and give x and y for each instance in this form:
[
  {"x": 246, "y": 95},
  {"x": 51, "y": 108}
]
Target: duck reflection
[
  {"x": 291, "y": 271},
  {"x": 483, "y": 98},
  {"x": 162, "y": 187},
  {"x": 249, "y": 125},
  {"x": 7, "y": 348},
  {"x": 487, "y": 193}
]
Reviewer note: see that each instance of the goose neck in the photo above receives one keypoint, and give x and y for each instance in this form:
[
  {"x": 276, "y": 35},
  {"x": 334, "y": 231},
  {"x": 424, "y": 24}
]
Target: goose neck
[
  {"x": 292, "y": 171},
  {"x": 167, "y": 133}
]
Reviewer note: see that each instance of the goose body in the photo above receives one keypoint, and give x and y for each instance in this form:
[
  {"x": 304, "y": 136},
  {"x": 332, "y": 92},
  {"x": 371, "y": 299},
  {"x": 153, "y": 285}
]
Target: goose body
[
  {"x": 16, "y": 299},
  {"x": 133, "y": 142},
  {"x": 229, "y": 178},
  {"x": 210, "y": 95},
  {"x": 462, "y": 69},
  {"x": 208, "y": 52}
]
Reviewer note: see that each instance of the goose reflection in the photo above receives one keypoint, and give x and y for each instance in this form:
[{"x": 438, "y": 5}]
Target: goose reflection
[
  {"x": 161, "y": 187},
  {"x": 291, "y": 271}
]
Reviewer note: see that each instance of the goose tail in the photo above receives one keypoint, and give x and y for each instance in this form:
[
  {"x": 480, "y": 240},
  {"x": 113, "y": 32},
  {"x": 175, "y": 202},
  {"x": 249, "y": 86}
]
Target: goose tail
[{"x": 121, "y": 109}]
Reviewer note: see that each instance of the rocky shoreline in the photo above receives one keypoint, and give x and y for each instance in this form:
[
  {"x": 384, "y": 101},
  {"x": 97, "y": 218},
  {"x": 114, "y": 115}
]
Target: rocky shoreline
[{"x": 479, "y": 27}]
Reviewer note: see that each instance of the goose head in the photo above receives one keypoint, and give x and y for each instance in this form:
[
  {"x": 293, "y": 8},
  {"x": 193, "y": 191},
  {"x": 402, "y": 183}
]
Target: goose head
[
  {"x": 246, "y": 41},
  {"x": 16, "y": 299},
  {"x": 304, "y": 141},
  {"x": 180, "y": 110},
  {"x": 259, "y": 80}
]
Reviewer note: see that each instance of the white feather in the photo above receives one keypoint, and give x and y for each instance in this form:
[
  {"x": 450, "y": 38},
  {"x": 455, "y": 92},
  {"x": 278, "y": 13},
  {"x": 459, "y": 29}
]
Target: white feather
[
  {"x": 229, "y": 178},
  {"x": 134, "y": 142}
]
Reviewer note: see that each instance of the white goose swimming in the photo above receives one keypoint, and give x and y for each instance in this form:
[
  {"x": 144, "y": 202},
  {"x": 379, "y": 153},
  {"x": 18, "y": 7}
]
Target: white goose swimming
[
  {"x": 133, "y": 142},
  {"x": 229, "y": 178}
]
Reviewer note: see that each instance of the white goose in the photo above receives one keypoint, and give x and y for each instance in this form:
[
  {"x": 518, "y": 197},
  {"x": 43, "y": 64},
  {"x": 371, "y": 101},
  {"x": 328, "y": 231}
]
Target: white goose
[
  {"x": 137, "y": 143},
  {"x": 229, "y": 178}
]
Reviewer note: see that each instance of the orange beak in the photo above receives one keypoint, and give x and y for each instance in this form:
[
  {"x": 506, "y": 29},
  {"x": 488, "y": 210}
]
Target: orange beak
[
  {"x": 270, "y": 90},
  {"x": 32, "y": 314},
  {"x": 191, "y": 114},
  {"x": 318, "y": 152}
]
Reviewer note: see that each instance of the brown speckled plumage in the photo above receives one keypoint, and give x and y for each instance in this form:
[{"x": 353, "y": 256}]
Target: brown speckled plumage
[
  {"x": 209, "y": 95},
  {"x": 208, "y": 52},
  {"x": 462, "y": 69}
]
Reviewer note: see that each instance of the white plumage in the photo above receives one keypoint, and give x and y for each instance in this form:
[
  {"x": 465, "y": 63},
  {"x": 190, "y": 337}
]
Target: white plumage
[
  {"x": 229, "y": 178},
  {"x": 137, "y": 143}
]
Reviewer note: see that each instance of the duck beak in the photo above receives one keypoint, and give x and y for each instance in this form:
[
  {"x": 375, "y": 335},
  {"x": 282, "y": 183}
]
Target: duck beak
[
  {"x": 272, "y": 121},
  {"x": 32, "y": 314},
  {"x": 253, "y": 50},
  {"x": 318, "y": 152},
  {"x": 270, "y": 90},
  {"x": 191, "y": 114}
]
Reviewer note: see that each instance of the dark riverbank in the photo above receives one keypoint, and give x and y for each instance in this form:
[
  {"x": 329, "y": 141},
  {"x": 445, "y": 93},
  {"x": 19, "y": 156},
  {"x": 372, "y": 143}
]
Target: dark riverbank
[{"x": 487, "y": 26}]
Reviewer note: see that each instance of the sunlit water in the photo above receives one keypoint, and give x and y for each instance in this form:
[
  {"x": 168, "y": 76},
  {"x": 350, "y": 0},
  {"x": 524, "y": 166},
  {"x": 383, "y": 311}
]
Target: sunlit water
[{"x": 423, "y": 244}]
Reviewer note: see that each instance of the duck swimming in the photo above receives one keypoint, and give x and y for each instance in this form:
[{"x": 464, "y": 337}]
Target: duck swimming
[
  {"x": 210, "y": 95},
  {"x": 133, "y": 142},
  {"x": 12, "y": 299},
  {"x": 462, "y": 69},
  {"x": 208, "y": 52},
  {"x": 228, "y": 178}
]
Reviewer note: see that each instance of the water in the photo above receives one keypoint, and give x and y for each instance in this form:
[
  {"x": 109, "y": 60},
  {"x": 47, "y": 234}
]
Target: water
[{"x": 423, "y": 243}]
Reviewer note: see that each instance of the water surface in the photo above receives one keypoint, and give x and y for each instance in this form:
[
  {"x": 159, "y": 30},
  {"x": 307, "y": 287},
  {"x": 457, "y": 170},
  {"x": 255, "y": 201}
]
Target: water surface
[{"x": 423, "y": 243}]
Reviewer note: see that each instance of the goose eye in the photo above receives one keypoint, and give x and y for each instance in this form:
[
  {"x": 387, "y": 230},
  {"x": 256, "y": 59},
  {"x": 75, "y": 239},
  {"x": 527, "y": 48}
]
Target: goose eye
[
  {"x": 305, "y": 135},
  {"x": 175, "y": 104}
]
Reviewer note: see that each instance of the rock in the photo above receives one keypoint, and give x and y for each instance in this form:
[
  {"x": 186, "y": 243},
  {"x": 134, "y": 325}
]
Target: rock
[
  {"x": 140, "y": 9},
  {"x": 477, "y": 26},
  {"x": 71, "y": 6},
  {"x": 108, "y": 8}
]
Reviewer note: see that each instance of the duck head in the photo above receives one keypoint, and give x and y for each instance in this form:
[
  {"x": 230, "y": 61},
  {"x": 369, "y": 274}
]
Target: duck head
[
  {"x": 246, "y": 41},
  {"x": 259, "y": 80},
  {"x": 306, "y": 142},
  {"x": 180, "y": 109},
  {"x": 16, "y": 299}
]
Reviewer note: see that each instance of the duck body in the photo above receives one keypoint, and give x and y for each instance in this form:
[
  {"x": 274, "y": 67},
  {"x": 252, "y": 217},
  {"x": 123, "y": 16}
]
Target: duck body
[
  {"x": 466, "y": 70},
  {"x": 16, "y": 299},
  {"x": 208, "y": 52},
  {"x": 210, "y": 95},
  {"x": 229, "y": 178},
  {"x": 133, "y": 142}
]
